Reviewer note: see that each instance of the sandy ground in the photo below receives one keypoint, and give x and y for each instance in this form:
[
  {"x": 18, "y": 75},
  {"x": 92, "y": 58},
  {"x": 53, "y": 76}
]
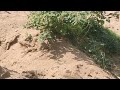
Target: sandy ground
[
  {"x": 114, "y": 24},
  {"x": 21, "y": 59}
]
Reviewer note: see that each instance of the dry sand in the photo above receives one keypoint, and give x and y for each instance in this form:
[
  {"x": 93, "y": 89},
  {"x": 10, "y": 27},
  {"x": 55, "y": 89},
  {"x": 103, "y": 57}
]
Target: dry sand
[{"x": 20, "y": 59}]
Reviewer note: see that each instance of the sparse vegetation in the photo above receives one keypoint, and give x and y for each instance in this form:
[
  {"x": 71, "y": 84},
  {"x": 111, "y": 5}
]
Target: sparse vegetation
[
  {"x": 84, "y": 29},
  {"x": 21, "y": 50},
  {"x": 29, "y": 37}
]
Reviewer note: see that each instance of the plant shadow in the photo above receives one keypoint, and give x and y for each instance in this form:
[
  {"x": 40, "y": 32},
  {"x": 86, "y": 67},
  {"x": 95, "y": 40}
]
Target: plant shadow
[{"x": 60, "y": 47}]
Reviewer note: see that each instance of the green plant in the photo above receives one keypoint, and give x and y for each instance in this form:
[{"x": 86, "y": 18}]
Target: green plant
[
  {"x": 59, "y": 23},
  {"x": 29, "y": 37},
  {"x": 83, "y": 28}
]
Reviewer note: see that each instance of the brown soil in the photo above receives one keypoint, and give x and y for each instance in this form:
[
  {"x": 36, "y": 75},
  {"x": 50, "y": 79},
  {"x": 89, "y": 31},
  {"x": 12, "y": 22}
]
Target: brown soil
[{"x": 23, "y": 58}]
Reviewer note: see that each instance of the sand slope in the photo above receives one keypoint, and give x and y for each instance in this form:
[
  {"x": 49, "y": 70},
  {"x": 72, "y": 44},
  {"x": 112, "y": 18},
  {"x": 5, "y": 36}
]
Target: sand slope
[{"x": 22, "y": 59}]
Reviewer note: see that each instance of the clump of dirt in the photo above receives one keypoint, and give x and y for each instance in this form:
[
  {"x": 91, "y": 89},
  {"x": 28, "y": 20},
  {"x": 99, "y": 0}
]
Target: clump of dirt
[
  {"x": 21, "y": 52},
  {"x": 4, "y": 73}
]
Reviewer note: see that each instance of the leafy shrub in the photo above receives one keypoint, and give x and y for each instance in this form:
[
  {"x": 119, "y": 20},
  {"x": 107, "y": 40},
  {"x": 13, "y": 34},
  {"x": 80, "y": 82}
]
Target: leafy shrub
[
  {"x": 59, "y": 23},
  {"x": 83, "y": 28}
]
